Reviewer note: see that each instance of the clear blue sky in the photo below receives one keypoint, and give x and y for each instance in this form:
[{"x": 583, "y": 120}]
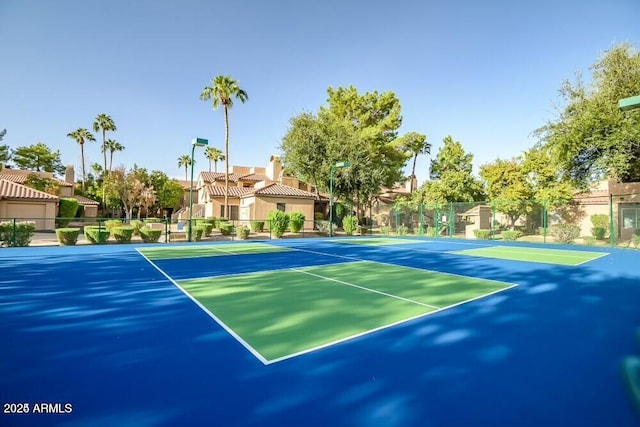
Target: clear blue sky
[{"x": 485, "y": 72}]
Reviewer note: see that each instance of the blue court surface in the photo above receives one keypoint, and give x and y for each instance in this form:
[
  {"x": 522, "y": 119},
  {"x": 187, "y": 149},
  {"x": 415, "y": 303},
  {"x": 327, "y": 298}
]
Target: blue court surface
[{"x": 106, "y": 336}]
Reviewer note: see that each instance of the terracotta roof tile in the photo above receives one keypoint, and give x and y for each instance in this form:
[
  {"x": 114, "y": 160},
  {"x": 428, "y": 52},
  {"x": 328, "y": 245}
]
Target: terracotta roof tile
[
  {"x": 282, "y": 190},
  {"x": 254, "y": 177},
  {"x": 21, "y": 176},
  {"x": 218, "y": 176},
  {"x": 85, "y": 201},
  {"x": 13, "y": 190},
  {"x": 218, "y": 191}
]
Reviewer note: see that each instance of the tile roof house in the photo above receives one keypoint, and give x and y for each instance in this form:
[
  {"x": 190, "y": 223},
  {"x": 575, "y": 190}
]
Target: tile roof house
[{"x": 27, "y": 204}]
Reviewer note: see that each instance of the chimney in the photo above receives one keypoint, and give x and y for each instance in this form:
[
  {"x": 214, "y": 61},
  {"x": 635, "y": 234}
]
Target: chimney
[
  {"x": 69, "y": 175},
  {"x": 274, "y": 168}
]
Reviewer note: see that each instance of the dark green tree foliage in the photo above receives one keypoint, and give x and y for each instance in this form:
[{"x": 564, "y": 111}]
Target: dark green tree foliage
[
  {"x": 38, "y": 157},
  {"x": 451, "y": 176},
  {"x": 4, "y": 150},
  {"x": 591, "y": 137},
  {"x": 360, "y": 129},
  {"x": 66, "y": 211},
  {"x": 47, "y": 185},
  {"x": 169, "y": 192}
]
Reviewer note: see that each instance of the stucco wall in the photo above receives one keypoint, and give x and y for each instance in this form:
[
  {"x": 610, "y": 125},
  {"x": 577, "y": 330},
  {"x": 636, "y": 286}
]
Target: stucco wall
[
  {"x": 41, "y": 212},
  {"x": 260, "y": 206}
]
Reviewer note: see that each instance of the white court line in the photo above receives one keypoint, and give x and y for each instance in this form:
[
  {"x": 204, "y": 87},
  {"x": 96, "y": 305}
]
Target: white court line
[
  {"x": 365, "y": 288},
  {"x": 405, "y": 266},
  {"x": 390, "y": 325},
  {"x": 231, "y": 332}
]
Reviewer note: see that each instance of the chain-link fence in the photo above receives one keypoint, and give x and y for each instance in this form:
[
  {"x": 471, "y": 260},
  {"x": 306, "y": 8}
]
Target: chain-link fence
[{"x": 604, "y": 219}]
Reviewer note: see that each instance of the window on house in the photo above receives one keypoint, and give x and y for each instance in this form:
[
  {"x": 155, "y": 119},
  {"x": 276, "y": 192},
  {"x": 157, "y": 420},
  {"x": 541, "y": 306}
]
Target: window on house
[
  {"x": 630, "y": 217},
  {"x": 233, "y": 210},
  {"x": 281, "y": 206}
]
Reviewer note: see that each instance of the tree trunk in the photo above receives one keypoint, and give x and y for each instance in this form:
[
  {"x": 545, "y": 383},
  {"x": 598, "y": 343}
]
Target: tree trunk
[
  {"x": 413, "y": 171},
  {"x": 82, "y": 157},
  {"x": 104, "y": 151},
  {"x": 226, "y": 162}
]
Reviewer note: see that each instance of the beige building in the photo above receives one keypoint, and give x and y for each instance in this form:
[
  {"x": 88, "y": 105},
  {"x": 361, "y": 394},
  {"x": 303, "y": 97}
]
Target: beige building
[
  {"x": 26, "y": 204},
  {"x": 253, "y": 193}
]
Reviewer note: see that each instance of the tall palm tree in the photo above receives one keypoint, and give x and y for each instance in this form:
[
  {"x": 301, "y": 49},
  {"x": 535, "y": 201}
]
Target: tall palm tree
[
  {"x": 104, "y": 123},
  {"x": 222, "y": 91},
  {"x": 185, "y": 161},
  {"x": 112, "y": 146},
  {"x": 81, "y": 135},
  {"x": 213, "y": 154},
  {"x": 416, "y": 144}
]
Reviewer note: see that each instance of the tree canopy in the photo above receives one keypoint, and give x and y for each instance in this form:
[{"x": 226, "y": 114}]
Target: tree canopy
[
  {"x": 591, "y": 138},
  {"x": 359, "y": 128},
  {"x": 38, "y": 157},
  {"x": 451, "y": 176}
]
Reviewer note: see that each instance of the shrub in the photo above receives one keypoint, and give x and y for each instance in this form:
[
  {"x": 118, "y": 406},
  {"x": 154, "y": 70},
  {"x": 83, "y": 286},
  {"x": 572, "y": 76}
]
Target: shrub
[
  {"x": 482, "y": 234},
  {"x": 152, "y": 220},
  {"x": 565, "y": 233},
  {"x": 208, "y": 228},
  {"x": 199, "y": 230},
  {"x": 598, "y": 232},
  {"x": 296, "y": 221},
  {"x": 226, "y": 228},
  {"x": 278, "y": 222},
  {"x": 23, "y": 233},
  {"x": 257, "y": 226},
  {"x": 110, "y": 224},
  {"x": 511, "y": 235},
  {"x": 600, "y": 220},
  {"x": 150, "y": 235},
  {"x": 589, "y": 240},
  {"x": 122, "y": 234},
  {"x": 96, "y": 234},
  {"x": 137, "y": 225},
  {"x": 431, "y": 232},
  {"x": 322, "y": 226},
  {"x": 635, "y": 240},
  {"x": 243, "y": 232},
  {"x": 402, "y": 230},
  {"x": 543, "y": 231},
  {"x": 349, "y": 224},
  {"x": 66, "y": 212},
  {"x": 318, "y": 216},
  {"x": 67, "y": 236},
  {"x": 385, "y": 230}
]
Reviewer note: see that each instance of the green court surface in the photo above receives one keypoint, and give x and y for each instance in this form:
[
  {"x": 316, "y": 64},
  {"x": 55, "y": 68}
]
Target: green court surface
[
  {"x": 377, "y": 241},
  {"x": 194, "y": 251},
  {"x": 279, "y": 314},
  {"x": 544, "y": 255}
]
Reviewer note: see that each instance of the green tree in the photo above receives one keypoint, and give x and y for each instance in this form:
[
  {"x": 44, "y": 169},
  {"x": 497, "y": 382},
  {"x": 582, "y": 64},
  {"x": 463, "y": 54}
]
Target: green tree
[
  {"x": 506, "y": 182},
  {"x": 591, "y": 138},
  {"x": 222, "y": 91},
  {"x": 40, "y": 183},
  {"x": 451, "y": 176},
  {"x": 360, "y": 129},
  {"x": 185, "y": 161},
  {"x": 545, "y": 177},
  {"x": 103, "y": 122},
  {"x": 416, "y": 144},
  {"x": 169, "y": 192},
  {"x": 213, "y": 155},
  {"x": 4, "y": 150},
  {"x": 112, "y": 146},
  {"x": 38, "y": 157},
  {"x": 81, "y": 135}
]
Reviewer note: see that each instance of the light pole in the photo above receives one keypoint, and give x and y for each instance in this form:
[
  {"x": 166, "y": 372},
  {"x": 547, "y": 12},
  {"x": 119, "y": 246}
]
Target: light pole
[
  {"x": 333, "y": 169},
  {"x": 196, "y": 142}
]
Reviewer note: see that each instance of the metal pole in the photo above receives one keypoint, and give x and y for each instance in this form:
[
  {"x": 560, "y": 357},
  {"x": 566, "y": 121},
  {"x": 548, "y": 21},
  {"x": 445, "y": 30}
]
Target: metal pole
[
  {"x": 193, "y": 149},
  {"x": 611, "y": 223},
  {"x": 331, "y": 201}
]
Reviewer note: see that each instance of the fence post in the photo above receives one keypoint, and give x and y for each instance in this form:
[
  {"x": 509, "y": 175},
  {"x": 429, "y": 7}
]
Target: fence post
[
  {"x": 545, "y": 220},
  {"x": 421, "y": 219},
  {"x": 612, "y": 230},
  {"x": 13, "y": 236},
  {"x": 452, "y": 221},
  {"x": 493, "y": 219},
  {"x": 166, "y": 229}
]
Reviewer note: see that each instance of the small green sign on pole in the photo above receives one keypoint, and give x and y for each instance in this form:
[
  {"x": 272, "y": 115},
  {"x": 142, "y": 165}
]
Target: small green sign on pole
[{"x": 629, "y": 103}]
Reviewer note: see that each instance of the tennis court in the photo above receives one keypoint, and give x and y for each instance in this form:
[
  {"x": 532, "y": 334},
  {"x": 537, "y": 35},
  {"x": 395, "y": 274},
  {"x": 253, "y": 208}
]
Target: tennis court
[{"x": 345, "y": 332}]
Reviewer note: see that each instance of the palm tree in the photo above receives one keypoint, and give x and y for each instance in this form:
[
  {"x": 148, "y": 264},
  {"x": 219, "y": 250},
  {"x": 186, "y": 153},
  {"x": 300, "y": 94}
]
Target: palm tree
[
  {"x": 81, "y": 135},
  {"x": 104, "y": 123},
  {"x": 213, "y": 154},
  {"x": 185, "y": 161},
  {"x": 416, "y": 143},
  {"x": 112, "y": 146},
  {"x": 222, "y": 91}
]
